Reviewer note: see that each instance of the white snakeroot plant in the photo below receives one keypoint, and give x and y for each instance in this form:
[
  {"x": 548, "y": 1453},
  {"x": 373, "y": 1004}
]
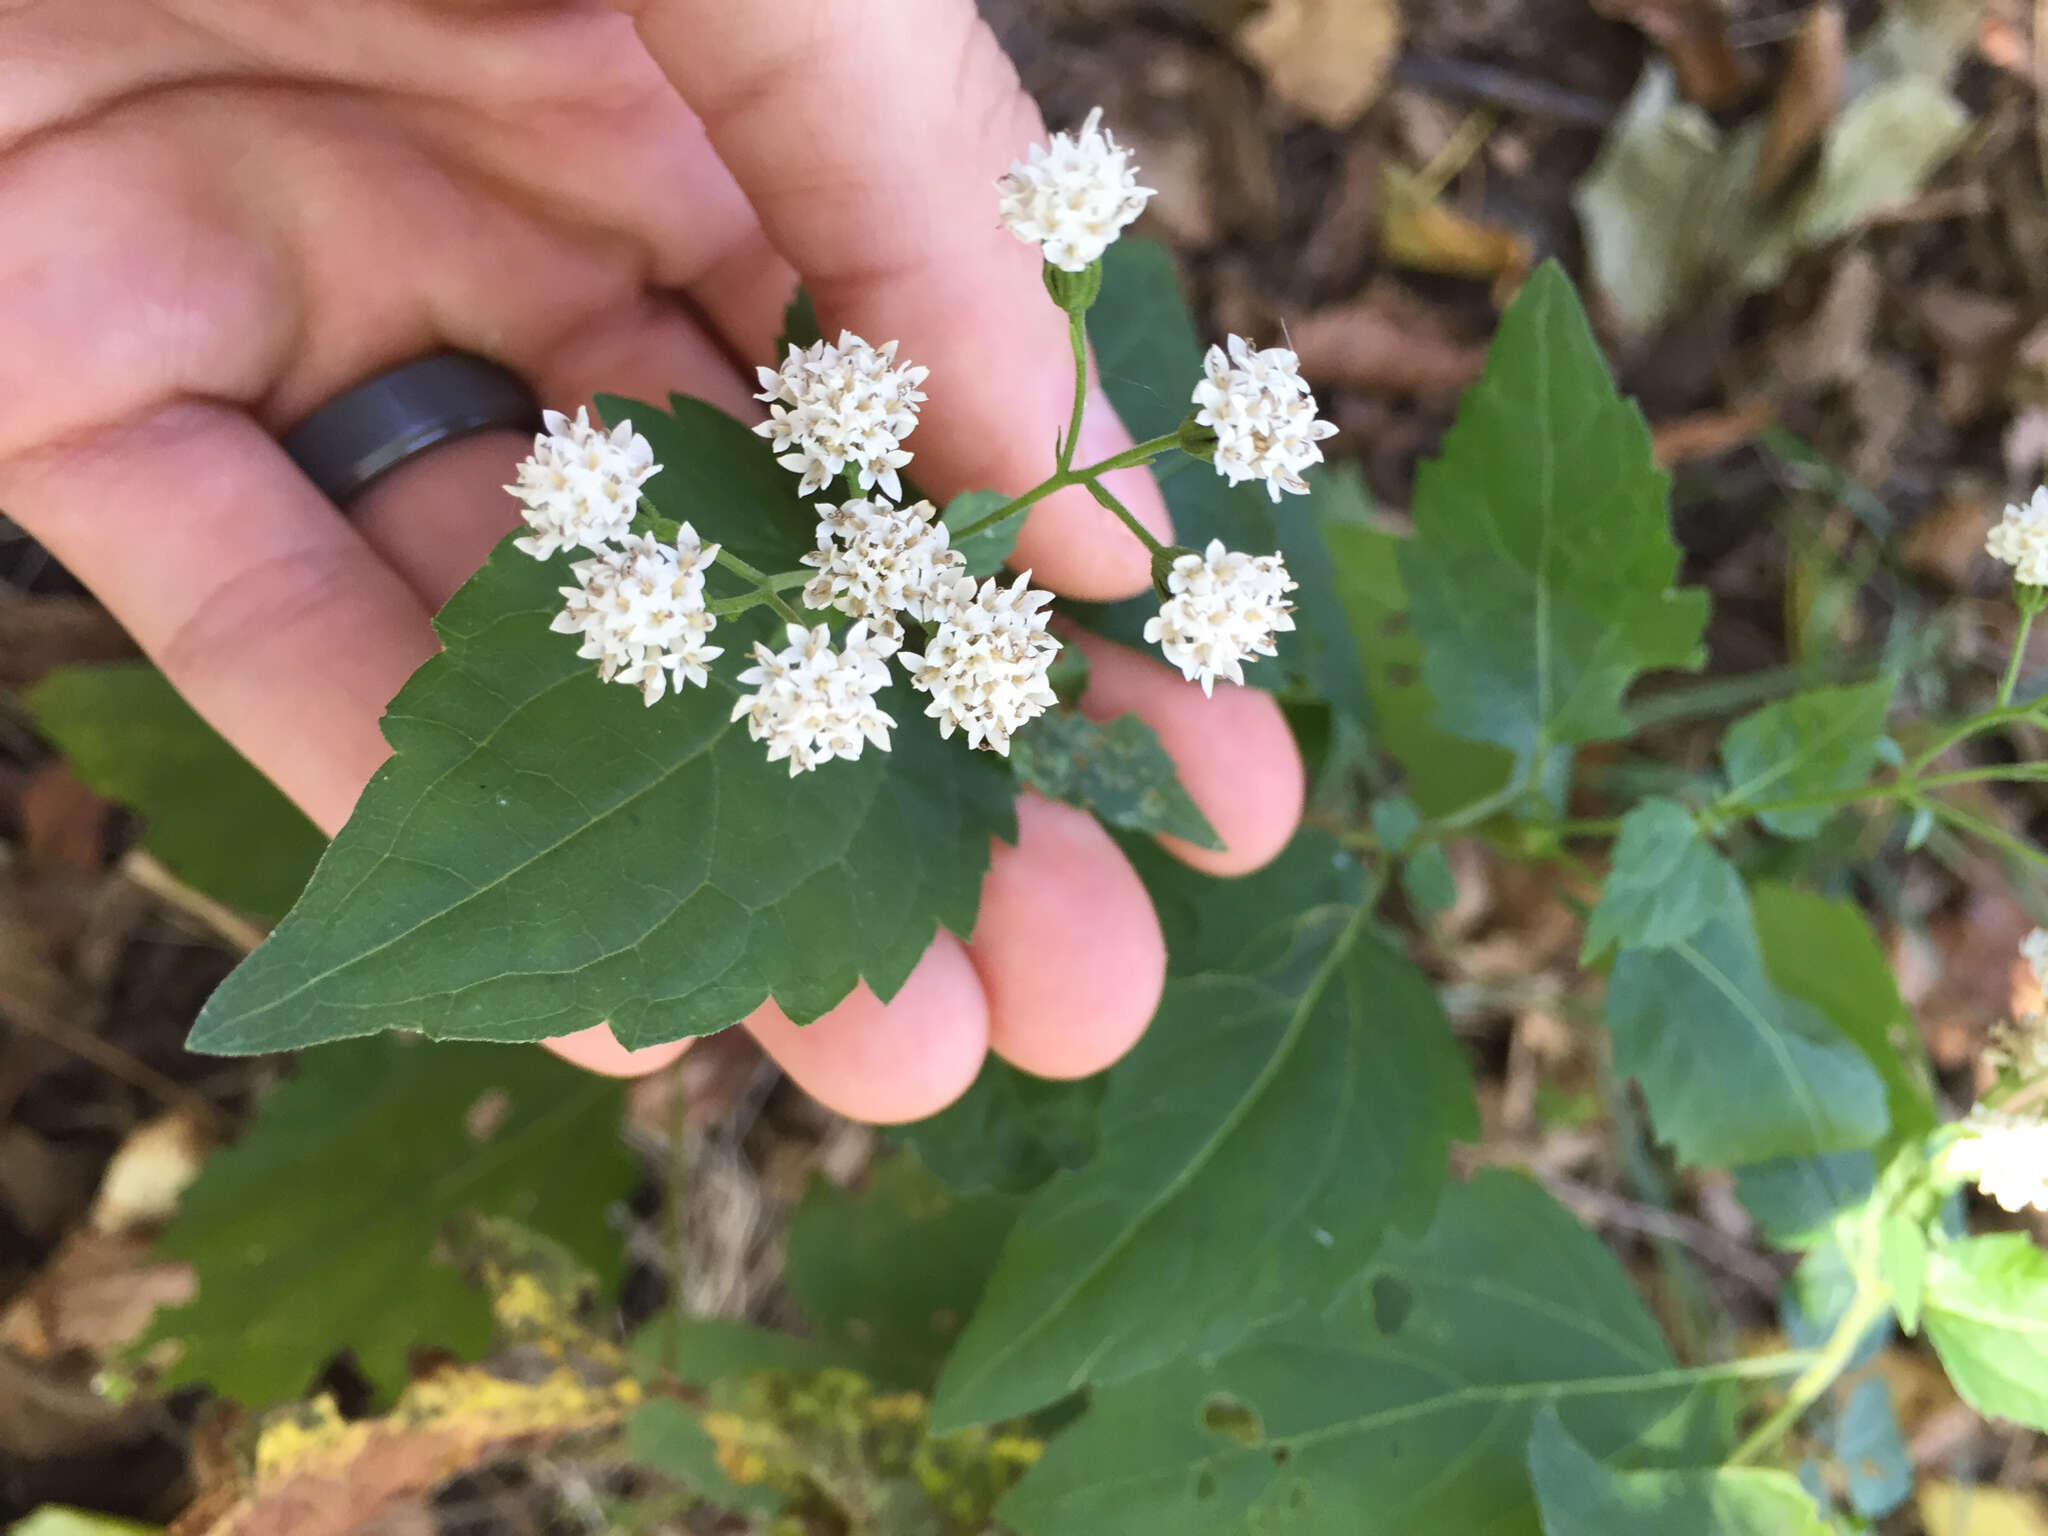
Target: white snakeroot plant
[
  {"x": 812, "y": 703},
  {"x": 1263, "y": 415},
  {"x": 876, "y": 561},
  {"x": 2005, "y": 1156},
  {"x": 985, "y": 665},
  {"x": 640, "y": 610},
  {"x": 1223, "y": 610},
  {"x": 581, "y": 486},
  {"x": 1073, "y": 198},
  {"x": 837, "y": 404},
  {"x": 2020, "y": 539}
]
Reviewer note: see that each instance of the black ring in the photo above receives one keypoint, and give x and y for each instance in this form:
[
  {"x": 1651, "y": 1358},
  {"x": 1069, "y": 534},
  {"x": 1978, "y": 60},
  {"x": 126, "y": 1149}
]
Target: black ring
[{"x": 378, "y": 425}]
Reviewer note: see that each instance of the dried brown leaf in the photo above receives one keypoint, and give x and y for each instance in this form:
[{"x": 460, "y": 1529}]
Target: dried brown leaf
[
  {"x": 1708, "y": 434},
  {"x": 1420, "y": 230},
  {"x": 93, "y": 1295},
  {"x": 1328, "y": 59}
]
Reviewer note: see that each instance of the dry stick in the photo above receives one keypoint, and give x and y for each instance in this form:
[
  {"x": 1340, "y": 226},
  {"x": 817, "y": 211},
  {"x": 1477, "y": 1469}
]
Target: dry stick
[
  {"x": 105, "y": 1055},
  {"x": 142, "y": 870}
]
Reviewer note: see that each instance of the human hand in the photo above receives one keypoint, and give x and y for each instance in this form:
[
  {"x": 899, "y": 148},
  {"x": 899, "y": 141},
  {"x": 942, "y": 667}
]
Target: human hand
[{"x": 222, "y": 213}]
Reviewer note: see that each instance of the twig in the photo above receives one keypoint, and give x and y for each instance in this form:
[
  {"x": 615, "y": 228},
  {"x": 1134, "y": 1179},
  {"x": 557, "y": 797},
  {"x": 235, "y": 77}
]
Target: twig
[
  {"x": 1502, "y": 87},
  {"x": 107, "y": 1056},
  {"x": 142, "y": 869},
  {"x": 1602, "y": 1208}
]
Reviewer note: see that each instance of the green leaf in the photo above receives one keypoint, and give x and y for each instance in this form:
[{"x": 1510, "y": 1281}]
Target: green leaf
[
  {"x": 1540, "y": 574},
  {"x": 985, "y": 551},
  {"x": 1736, "y": 1072},
  {"x": 1117, "y": 770},
  {"x": 1009, "y": 1132},
  {"x": 1444, "y": 771},
  {"x": 1871, "y": 1451},
  {"x": 890, "y": 1275},
  {"x": 799, "y": 328},
  {"x": 1256, "y": 1146},
  {"x": 1150, "y": 360},
  {"x": 1666, "y": 885},
  {"x": 1797, "y": 1200},
  {"x": 1402, "y": 1407},
  {"x": 1582, "y": 1496},
  {"x": 214, "y": 821},
  {"x": 1813, "y": 743},
  {"x": 318, "y": 1230},
  {"x": 1213, "y": 925},
  {"x": 703, "y": 1351},
  {"x": 1824, "y": 953},
  {"x": 1902, "y": 1253},
  {"x": 667, "y": 1436},
  {"x": 1987, "y": 1314},
  {"x": 60, "y": 1520},
  {"x": 543, "y": 853}
]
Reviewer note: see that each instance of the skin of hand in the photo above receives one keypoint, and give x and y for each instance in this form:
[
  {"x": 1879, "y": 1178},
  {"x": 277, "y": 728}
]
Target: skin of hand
[{"x": 215, "y": 215}]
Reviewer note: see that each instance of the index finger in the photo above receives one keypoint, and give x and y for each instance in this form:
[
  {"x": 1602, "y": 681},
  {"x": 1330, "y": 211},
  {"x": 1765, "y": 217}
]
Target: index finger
[{"x": 869, "y": 138}]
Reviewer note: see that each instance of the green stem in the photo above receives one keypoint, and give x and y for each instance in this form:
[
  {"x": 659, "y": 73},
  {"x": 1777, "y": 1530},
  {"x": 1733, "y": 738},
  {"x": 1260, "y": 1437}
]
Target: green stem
[
  {"x": 2019, "y": 651},
  {"x": 1976, "y": 725},
  {"x": 1138, "y": 530},
  {"x": 1977, "y": 826},
  {"x": 1077, "y": 333},
  {"x": 1869, "y": 1305},
  {"x": 764, "y": 589},
  {"x": 1059, "y": 480}
]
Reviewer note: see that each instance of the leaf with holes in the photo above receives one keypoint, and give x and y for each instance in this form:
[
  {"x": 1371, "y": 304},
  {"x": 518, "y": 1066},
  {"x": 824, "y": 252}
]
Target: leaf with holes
[
  {"x": 1402, "y": 1406},
  {"x": 543, "y": 853},
  {"x": 1540, "y": 574}
]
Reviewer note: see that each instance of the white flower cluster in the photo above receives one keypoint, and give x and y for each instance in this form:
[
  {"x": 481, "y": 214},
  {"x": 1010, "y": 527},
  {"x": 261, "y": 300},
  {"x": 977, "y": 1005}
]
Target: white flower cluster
[
  {"x": 2005, "y": 1156},
  {"x": 640, "y": 610},
  {"x": 812, "y": 703},
  {"x": 1074, "y": 198},
  {"x": 581, "y": 486},
  {"x": 986, "y": 662},
  {"x": 1263, "y": 415},
  {"x": 875, "y": 561},
  {"x": 831, "y": 405},
  {"x": 2021, "y": 540},
  {"x": 1223, "y": 610}
]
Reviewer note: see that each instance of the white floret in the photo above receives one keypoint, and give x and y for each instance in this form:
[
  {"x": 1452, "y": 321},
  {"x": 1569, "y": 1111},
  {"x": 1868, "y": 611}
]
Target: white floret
[
  {"x": 812, "y": 703},
  {"x": 2004, "y": 1156},
  {"x": 831, "y": 405},
  {"x": 876, "y": 561},
  {"x": 641, "y": 612},
  {"x": 1263, "y": 415},
  {"x": 581, "y": 485},
  {"x": 1223, "y": 610},
  {"x": 1073, "y": 198},
  {"x": 986, "y": 662},
  {"x": 2021, "y": 539}
]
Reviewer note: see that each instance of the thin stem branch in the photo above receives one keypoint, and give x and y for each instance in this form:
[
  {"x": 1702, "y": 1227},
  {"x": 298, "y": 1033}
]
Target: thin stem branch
[
  {"x": 1129, "y": 519},
  {"x": 1870, "y": 1304},
  {"x": 1059, "y": 480},
  {"x": 2019, "y": 651},
  {"x": 1077, "y": 333},
  {"x": 1976, "y": 725}
]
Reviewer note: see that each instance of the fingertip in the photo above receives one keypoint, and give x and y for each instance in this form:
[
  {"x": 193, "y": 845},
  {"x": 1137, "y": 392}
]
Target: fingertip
[
  {"x": 1236, "y": 757},
  {"x": 1068, "y": 948},
  {"x": 597, "y": 1049},
  {"x": 887, "y": 1063}
]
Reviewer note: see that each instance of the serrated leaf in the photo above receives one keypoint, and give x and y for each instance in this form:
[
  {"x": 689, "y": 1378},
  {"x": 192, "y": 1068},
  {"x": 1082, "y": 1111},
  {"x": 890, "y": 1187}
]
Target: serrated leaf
[
  {"x": 1116, "y": 769},
  {"x": 318, "y": 1230},
  {"x": 1810, "y": 744},
  {"x": 1667, "y": 883},
  {"x": 1009, "y": 1132},
  {"x": 890, "y": 1275},
  {"x": 1986, "y": 1311},
  {"x": 1539, "y": 578},
  {"x": 1402, "y": 1407},
  {"x": 986, "y": 550},
  {"x": 1150, "y": 360},
  {"x": 1311, "y": 1107},
  {"x": 1582, "y": 1496},
  {"x": 1735, "y": 1071},
  {"x": 543, "y": 853},
  {"x": 214, "y": 821},
  {"x": 1443, "y": 771}
]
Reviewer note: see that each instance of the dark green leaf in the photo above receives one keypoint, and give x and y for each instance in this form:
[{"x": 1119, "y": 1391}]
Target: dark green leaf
[
  {"x": 1213, "y": 925},
  {"x": 543, "y": 853},
  {"x": 889, "y": 1276},
  {"x": 1872, "y": 1452},
  {"x": 1810, "y": 744},
  {"x": 317, "y": 1231},
  {"x": 1117, "y": 770},
  {"x": 1010, "y": 1132},
  {"x": 215, "y": 822},
  {"x": 1666, "y": 885},
  {"x": 1256, "y": 1146},
  {"x": 1150, "y": 361},
  {"x": 1443, "y": 771},
  {"x": 1582, "y": 1496},
  {"x": 1427, "y": 881},
  {"x": 1987, "y": 1313},
  {"x": 1540, "y": 574},
  {"x": 1796, "y": 1200},
  {"x": 1736, "y": 1072},
  {"x": 985, "y": 551},
  {"x": 1401, "y": 1408},
  {"x": 1902, "y": 1253},
  {"x": 799, "y": 328},
  {"x": 665, "y": 1435},
  {"x": 705, "y": 1350}
]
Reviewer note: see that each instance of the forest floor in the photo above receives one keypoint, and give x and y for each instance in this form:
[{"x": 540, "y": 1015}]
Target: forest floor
[{"x": 1842, "y": 426}]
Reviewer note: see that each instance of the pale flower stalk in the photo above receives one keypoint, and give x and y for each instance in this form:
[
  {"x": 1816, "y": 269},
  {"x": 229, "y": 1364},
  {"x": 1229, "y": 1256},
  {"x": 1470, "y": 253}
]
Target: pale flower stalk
[
  {"x": 640, "y": 610},
  {"x": 2020, "y": 539},
  {"x": 580, "y": 487},
  {"x": 1263, "y": 415},
  {"x": 1074, "y": 197},
  {"x": 1222, "y": 610},
  {"x": 812, "y": 703},
  {"x": 831, "y": 405},
  {"x": 986, "y": 663}
]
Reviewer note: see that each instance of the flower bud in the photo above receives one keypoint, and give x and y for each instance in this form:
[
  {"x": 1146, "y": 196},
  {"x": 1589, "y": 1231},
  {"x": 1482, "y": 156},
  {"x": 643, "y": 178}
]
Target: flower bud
[{"x": 1075, "y": 292}]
